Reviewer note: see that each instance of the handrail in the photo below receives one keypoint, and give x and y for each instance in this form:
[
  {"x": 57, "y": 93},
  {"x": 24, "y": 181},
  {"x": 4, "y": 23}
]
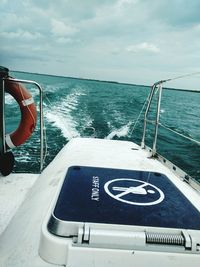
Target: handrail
[
  {"x": 146, "y": 114},
  {"x": 158, "y": 85},
  {"x": 157, "y": 120},
  {"x": 3, "y": 73},
  {"x": 180, "y": 134},
  {"x": 3, "y": 145},
  {"x": 41, "y": 115}
]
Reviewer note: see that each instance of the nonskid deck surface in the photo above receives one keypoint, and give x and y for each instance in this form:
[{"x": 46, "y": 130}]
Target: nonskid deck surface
[{"x": 117, "y": 196}]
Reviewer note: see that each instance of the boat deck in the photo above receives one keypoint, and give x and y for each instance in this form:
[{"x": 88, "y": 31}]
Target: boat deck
[
  {"x": 13, "y": 191},
  {"x": 34, "y": 213}
]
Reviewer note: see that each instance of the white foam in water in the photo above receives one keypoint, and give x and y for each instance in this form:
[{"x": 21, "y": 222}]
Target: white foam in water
[
  {"x": 9, "y": 100},
  {"x": 24, "y": 157},
  {"x": 63, "y": 123},
  {"x": 54, "y": 87},
  {"x": 60, "y": 115},
  {"x": 123, "y": 131}
]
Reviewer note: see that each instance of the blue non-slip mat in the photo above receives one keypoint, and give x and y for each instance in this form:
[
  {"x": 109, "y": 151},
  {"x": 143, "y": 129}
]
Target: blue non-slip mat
[{"x": 114, "y": 196}]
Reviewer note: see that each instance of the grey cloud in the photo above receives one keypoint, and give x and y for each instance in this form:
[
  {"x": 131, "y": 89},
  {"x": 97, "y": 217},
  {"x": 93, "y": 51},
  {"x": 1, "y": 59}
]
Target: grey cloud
[
  {"x": 175, "y": 13},
  {"x": 108, "y": 39}
]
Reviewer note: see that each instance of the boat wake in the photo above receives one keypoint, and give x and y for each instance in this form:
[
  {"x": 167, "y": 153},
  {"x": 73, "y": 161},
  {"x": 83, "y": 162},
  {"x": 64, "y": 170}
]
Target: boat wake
[
  {"x": 61, "y": 114},
  {"x": 81, "y": 108},
  {"x": 120, "y": 132}
]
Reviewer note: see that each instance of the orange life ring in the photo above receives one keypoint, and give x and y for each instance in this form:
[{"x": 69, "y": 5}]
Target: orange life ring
[{"x": 28, "y": 114}]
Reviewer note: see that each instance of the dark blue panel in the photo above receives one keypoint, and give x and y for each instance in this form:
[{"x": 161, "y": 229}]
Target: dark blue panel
[{"x": 126, "y": 197}]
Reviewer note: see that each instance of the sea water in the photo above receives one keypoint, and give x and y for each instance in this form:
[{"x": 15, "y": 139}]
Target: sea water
[{"x": 99, "y": 109}]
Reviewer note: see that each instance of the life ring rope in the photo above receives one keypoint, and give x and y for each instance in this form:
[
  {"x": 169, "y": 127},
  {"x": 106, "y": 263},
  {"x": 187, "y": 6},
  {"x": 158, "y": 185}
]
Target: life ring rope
[{"x": 26, "y": 103}]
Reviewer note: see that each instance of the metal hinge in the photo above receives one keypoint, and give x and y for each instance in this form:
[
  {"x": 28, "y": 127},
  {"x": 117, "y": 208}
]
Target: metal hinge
[
  {"x": 177, "y": 241},
  {"x": 110, "y": 238}
]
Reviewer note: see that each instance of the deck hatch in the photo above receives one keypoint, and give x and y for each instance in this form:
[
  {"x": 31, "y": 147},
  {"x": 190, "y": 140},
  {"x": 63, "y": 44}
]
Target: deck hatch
[{"x": 121, "y": 197}]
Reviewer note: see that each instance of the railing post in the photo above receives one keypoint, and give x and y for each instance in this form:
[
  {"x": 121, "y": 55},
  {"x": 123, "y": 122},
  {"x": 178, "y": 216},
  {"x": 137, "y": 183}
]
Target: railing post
[
  {"x": 3, "y": 74},
  {"x": 146, "y": 114},
  {"x": 6, "y": 158},
  {"x": 157, "y": 120}
]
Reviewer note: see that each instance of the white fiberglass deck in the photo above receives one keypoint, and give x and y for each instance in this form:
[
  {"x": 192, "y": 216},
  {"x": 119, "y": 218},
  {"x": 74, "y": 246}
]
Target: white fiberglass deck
[
  {"x": 19, "y": 244},
  {"x": 13, "y": 191}
]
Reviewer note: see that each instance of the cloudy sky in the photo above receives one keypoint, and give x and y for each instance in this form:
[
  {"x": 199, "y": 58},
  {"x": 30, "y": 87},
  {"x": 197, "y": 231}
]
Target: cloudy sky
[{"x": 136, "y": 41}]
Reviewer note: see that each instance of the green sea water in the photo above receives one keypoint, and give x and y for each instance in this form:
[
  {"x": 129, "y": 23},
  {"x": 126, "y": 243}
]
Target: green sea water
[{"x": 84, "y": 108}]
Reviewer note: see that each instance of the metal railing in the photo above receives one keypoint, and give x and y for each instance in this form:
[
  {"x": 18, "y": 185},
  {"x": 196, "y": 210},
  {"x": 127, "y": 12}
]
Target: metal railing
[
  {"x": 3, "y": 73},
  {"x": 158, "y": 86},
  {"x": 41, "y": 116}
]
